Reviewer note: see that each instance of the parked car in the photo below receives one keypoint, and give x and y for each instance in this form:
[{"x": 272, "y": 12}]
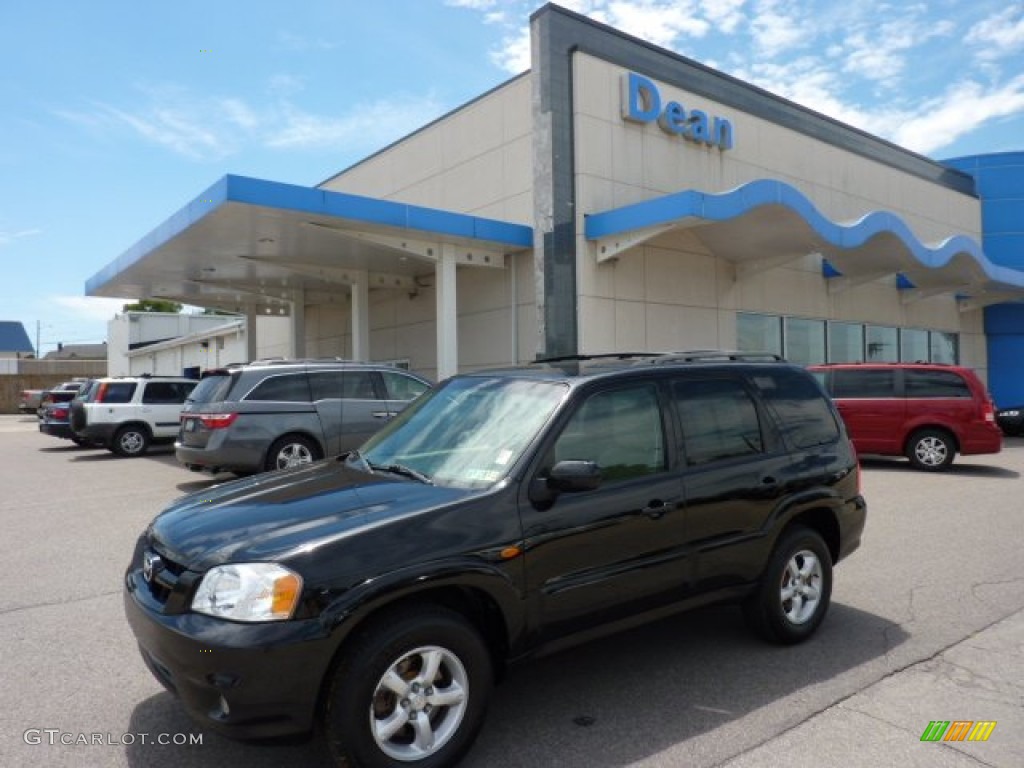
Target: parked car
[
  {"x": 1011, "y": 420},
  {"x": 278, "y": 414},
  {"x": 126, "y": 415},
  {"x": 503, "y": 514},
  {"x": 55, "y": 415},
  {"x": 29, "y": 399},
  {"x": 927, "y": 412}
]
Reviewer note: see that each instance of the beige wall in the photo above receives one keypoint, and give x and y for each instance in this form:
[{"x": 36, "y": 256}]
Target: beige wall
[
  {"x": 673, "y": 293},
  {"x": 477, "y": 160}
]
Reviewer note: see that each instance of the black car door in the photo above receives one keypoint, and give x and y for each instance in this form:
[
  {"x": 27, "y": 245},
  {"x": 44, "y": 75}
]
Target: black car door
[{"x": 597, "y": 555}]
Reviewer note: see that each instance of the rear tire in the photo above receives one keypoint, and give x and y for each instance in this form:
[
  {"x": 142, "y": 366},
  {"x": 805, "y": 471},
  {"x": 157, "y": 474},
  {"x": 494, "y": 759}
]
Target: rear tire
[
  {"x": 931, "y": 450},
  {"x": 793, "y": 595},
  {"x": 291, "y": 451},
  {"x": 412, "y": 690},
  {"x": 130, "y": 441}
]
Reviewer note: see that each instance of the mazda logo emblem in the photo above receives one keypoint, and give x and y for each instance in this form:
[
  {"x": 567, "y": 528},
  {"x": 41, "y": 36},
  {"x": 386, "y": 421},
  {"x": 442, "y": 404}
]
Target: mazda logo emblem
[{"x": 151, "y": 564}]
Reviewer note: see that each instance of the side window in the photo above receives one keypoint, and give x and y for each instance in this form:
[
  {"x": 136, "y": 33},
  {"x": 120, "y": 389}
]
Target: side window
[
  {"x": 289, "y": 388},
  {"x": 358, "y": 385},
  {"x": 166, "y": 392},
  {"x": 619, "y": 430},
  {"x": 923, "y": 383},
  {"x": 116, "y": 392},
  {"x": 326, "y": 385},
  {"x": 719, "y": 420},
  {"x": 863, "y": 383},
  {"x": 402, "y": 387},
  {"x": 802, "y": 410}
]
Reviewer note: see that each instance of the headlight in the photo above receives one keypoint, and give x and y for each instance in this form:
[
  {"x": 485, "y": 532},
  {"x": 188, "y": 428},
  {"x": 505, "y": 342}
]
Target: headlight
[
  {"x": 248, "y": 592},
  {"x": 1011, "y": 414}
]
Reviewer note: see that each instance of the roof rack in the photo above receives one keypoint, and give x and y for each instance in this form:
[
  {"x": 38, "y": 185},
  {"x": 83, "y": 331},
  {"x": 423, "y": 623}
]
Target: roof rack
[
  {"x": 603, "y": 356},
  {"x": 717, "y": 355}
]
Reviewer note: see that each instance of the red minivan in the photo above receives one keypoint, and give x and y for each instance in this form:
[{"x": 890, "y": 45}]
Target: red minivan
[{"x": 927, "y": 412}]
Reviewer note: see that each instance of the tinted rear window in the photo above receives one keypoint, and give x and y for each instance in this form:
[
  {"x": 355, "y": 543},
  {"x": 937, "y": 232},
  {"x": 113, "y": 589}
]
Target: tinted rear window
[
  {"x": 923, "y": 383},
  {"x": 212, "y": 389},
  {"x": 863, "y": 382},
  {"x": 719, "y": 420},
  {"x": 803, "y": 412},
  {"x": 288, "y": 388}
]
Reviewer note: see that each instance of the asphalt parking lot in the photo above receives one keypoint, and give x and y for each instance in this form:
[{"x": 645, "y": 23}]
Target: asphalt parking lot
[{"x": 927, "y": 623}]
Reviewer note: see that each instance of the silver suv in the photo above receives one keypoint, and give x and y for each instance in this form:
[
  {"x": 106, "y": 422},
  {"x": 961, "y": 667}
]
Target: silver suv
[
  {"x": 127, "y": 414},
  {"x": 278, "y": 414}
]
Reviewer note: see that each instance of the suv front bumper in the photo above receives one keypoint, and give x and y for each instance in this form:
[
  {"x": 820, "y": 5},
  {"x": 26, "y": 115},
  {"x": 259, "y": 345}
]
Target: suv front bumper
[{"x": 245, "y": 681}]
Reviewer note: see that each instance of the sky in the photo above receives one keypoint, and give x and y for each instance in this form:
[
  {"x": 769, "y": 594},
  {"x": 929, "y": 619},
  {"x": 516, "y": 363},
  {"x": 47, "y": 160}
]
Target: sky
[{"x": 116, "y": 113}]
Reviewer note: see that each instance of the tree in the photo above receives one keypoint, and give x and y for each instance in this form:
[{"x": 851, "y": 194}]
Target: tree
[{"x": 153, "y": 305}]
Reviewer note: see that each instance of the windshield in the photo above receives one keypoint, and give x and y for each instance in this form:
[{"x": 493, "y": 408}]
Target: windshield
[{"x": 469, "y": 432}]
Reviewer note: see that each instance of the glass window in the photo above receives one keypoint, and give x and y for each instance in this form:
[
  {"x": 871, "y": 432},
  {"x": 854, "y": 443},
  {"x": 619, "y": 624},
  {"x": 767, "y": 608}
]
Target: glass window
[
  {"x": 805, "y": 340},
  {"x": 115, "y": 392},
  {"x": 845, "y": 343},
  {"x": 166, "y": 392},
  {"x": 213, "y": 388},
  {"x": 469, "y": 432},
  {"x": 913, "y": 345},
  {"x": 800, "y": 406},
  {"x": 882, "y": 344},
  {"x": 758, "y": 333},
  {"x": 619, "y": 430},
  {"x": 863, "y": 382},
  {"x": 945, "y": 347},
  {"x": 402, "y": 387},
  {"x": 719, "y": 420},
  {"x": 921, "y": 383},
  {"x": 290, "y": 388}
]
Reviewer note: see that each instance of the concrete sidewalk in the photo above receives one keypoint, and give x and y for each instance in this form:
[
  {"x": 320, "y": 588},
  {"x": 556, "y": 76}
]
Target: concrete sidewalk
[{"x": 980, "y": 678}]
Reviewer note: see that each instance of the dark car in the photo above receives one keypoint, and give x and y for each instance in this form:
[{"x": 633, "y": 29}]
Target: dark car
[
  {"x": 279, "y": 414},
  {"x": 504, "y": 514},
  {"x": 55, "y": 413},
  {"x": 1011, "y": 420},
  {"x": 928, "y": 412}
]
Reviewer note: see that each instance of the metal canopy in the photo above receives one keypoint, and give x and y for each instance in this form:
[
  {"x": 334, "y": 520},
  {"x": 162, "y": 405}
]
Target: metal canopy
[
  {"x": 767, "y": 223},
  {"x": 254, "y": 245}
]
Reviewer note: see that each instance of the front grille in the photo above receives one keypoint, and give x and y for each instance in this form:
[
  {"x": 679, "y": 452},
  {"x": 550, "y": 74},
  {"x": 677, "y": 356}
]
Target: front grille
[{"x": 165, "y": 584}]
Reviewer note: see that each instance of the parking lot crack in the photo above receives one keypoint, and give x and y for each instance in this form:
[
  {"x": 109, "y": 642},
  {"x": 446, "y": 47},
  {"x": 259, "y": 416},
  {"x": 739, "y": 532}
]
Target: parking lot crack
[{"x": 69, "y": 601}]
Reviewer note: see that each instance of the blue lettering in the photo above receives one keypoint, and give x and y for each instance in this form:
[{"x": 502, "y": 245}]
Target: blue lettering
[
  {"x": 641, "y": 103},
  {"x": 673, "y": 119}
]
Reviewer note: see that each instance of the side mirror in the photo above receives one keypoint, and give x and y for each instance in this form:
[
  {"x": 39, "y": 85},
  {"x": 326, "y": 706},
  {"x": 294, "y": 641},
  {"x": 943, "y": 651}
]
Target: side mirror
[{"x": 565, "y": 477}]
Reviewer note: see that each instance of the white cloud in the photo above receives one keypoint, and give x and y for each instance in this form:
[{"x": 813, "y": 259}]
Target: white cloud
[
  {"x": 8, "y": 237},
  {"x": 962, "y": 109},
  {"x": 777, "y": 27},
  {"x": 1000, "y": 34},
  {"x": 91, "y": 308}
]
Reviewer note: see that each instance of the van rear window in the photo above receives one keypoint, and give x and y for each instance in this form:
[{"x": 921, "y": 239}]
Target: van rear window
[
  {"x": 935, "y": 384},
  {"x": 212, "y": 389}
]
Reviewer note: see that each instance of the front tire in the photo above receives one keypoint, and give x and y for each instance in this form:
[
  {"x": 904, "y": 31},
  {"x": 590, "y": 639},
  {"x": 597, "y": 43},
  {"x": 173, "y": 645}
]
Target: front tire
[
  {"x": 411, "y": 691},
  {"x": 130, "y": 441},
  {"x": 932, "y": 450},
  {"x": 793, "y": 595}
]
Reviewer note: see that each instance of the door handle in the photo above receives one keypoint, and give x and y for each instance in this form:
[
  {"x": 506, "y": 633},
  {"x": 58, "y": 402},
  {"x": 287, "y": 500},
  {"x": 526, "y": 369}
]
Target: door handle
[
  {"x": 656, "y": 508},
  {"x": 379, "y": 414}
]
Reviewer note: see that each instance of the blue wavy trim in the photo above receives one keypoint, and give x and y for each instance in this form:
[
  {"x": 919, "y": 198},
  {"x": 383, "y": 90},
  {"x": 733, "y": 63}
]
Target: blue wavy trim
[{"x": 743, "y": 199}]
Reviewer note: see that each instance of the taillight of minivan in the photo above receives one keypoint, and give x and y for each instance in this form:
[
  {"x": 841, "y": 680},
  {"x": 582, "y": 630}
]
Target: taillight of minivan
[
  {"x": 217, "y": 420},
  {"x": 988, "y": 411}
]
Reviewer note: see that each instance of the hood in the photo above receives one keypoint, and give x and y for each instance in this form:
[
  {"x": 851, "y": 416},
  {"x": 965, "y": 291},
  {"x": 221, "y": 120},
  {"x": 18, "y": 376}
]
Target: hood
[{"x": 280, "y": 514}]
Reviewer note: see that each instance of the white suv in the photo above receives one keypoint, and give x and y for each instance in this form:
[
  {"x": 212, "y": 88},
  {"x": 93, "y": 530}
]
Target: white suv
[{"x": 127, "y": 414}]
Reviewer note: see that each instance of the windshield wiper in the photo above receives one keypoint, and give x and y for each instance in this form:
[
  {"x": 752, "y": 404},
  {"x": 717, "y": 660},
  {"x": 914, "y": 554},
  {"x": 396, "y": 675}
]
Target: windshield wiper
[{"x": 400, "y": 469}]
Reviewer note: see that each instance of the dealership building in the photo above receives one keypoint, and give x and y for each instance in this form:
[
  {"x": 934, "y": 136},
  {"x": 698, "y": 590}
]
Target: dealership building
[{"x": 615, "y": 197}]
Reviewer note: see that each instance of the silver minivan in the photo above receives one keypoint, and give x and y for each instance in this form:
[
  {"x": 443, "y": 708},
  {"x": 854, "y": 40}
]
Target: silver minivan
[{"x": 278, "y": 414}]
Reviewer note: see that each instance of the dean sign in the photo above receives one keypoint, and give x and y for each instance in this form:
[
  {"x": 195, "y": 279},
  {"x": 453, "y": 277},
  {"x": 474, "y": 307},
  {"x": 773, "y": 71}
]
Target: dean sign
[{"x": 641, "y": 103}]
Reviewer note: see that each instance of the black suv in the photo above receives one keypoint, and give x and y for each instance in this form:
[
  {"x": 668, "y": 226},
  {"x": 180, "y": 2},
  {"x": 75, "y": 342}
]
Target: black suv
[{"x": 503, "y": 514}]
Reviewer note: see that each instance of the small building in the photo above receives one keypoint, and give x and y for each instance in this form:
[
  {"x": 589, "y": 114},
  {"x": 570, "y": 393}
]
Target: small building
[{"x": 78, "y": 352}]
